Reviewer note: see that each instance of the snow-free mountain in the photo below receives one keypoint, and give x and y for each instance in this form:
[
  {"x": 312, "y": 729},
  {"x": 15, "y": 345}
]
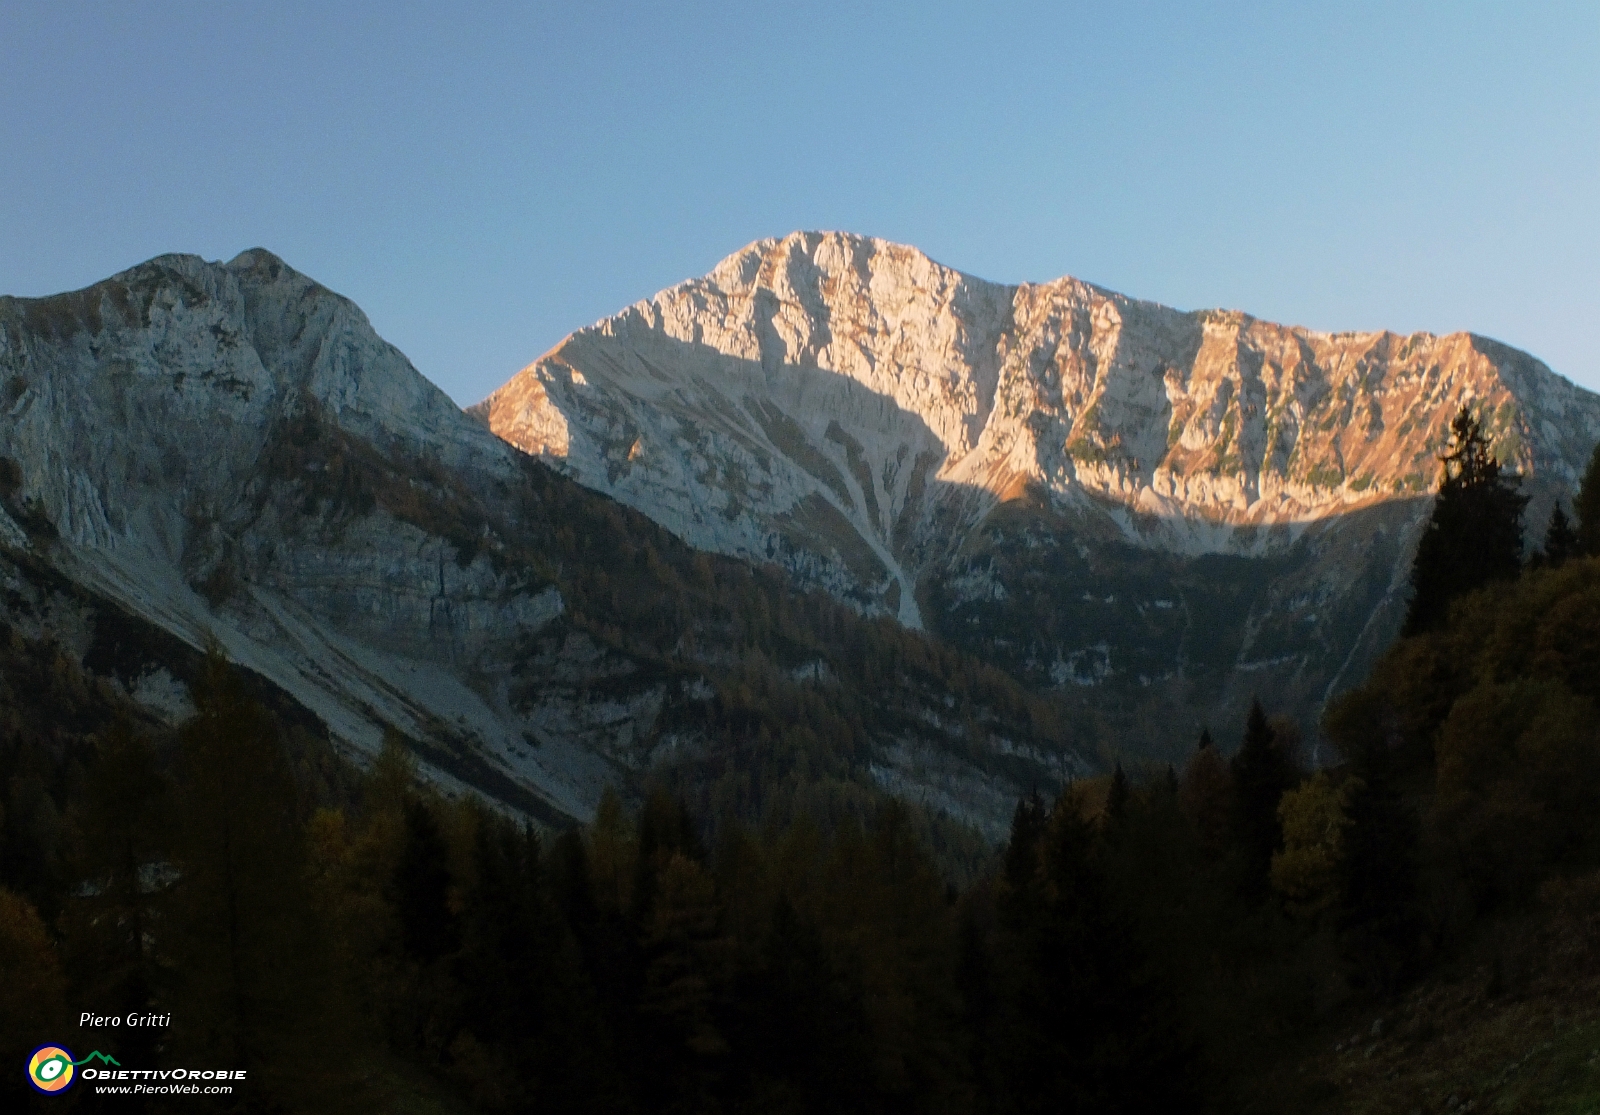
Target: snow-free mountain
[
  {"x": 1154, "y": 513},
  {"x": 197, "y": 454}
]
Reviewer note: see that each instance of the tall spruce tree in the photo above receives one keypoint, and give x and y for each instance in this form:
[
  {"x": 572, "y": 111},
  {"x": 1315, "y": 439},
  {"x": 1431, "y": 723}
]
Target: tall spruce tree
[
  {"x": 1560, "y": 540},
  {"x": 1206, "y": 795},
  {"x": 1378, "y": 872},
  {"x": 1262, "y": 771},
  {"x": 1586, "y": 505},
  {"x": 1377, "y": 876},
  {"x": 1474, "y": 535},
  {"x": 109, "y": 930},
  {"x": 421, "y": 887}
]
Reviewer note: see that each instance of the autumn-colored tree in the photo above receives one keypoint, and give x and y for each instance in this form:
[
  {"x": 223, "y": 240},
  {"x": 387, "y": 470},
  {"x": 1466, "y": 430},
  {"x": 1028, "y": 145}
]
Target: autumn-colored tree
[
  {"x": 1306, "y": 871},
  {"x": 252, "y": 989},
  {"x": 1516, "y": 764}
]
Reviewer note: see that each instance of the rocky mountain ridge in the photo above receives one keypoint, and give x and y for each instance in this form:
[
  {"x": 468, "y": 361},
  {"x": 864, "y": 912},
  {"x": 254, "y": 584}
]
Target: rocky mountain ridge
[
  {"x": 904, "y": 435},
  {"x": 198, "y": 452}
]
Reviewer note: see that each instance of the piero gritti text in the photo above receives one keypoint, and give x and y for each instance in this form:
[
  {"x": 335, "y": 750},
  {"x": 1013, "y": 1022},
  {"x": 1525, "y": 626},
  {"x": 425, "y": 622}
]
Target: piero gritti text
[{"x": 132, "y": 1020}]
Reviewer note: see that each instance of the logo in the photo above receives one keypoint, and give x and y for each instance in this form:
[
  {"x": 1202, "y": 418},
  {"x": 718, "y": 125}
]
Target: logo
[{"x": 51, "y": 1069}]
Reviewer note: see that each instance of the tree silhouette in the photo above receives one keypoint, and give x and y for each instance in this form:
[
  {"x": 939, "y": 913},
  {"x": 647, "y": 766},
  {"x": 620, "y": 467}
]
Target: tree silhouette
[
  {"x": 126, "y": 822},
  {"x": 1117, "y": 796},
  {"x": 1560, "y": 540},
  {"x": 1586, "y": 506},
  {"x": 252, "y": 982},
  {"x": 1206, "y": 797},
  {"x": 1081, "y": 1026},
  {"x": 1262, "y": 771},
  {"x": 1475, "y": 533},
  {"x": 421, "y": 887}
]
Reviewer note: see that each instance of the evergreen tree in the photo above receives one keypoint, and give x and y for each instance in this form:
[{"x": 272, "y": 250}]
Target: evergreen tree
[
  {"x": 421, "y": 886},
  {"x": 1262, "y": 771},
  {"x": 802, "y": 1032},
  {"x": 1080, "y": 1029},
  {"x": 1206, "y": 797},
  {"x": 528, "y": 1016},
  {"x": 1378, "y": 855},
  {"x": 1117, "y": 796},
  {"x": 1586, "y": 505},
  {"x": 1474, "y": 535},
  {"x": 1560, "y": 540},
  {"x": 1021, "y": 864},
  {"x": 1378, "y": 872}
]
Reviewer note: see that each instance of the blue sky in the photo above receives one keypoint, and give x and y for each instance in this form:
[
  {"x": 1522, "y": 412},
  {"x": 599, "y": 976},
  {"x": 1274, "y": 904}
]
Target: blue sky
[{"x": 483, "y": 179}]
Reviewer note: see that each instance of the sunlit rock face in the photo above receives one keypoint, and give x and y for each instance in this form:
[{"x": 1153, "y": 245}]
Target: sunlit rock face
[{"x": 904, "y": 436}]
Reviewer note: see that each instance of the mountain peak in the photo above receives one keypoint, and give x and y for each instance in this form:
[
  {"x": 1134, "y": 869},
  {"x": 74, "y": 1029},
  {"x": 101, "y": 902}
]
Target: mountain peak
[
  {"x": 995, "y": 461},
  {"x": 857, "y": 387}
]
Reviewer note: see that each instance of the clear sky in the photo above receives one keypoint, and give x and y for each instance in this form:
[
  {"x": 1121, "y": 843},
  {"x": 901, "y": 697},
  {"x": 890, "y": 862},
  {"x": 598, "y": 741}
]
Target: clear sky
[{"x": 483, "y": 179}]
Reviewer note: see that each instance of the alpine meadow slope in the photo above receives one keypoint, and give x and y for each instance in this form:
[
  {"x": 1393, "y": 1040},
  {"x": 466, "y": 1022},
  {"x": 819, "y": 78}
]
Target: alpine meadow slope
[{"x": 1152, "y": 514}]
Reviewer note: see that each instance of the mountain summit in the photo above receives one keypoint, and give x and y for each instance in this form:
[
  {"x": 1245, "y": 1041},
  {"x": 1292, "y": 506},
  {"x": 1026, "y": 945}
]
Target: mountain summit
[{"x": 903, "y": 435}]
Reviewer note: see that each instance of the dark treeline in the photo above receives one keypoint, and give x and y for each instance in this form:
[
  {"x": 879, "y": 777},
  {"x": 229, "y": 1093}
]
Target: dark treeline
[
  {"x": 348, "y": 947},
  {"x": 1153, "y": 941}
]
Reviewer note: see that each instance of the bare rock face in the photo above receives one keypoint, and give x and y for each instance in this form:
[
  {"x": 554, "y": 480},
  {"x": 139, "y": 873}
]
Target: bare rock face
[{"x": 904, "y": 436}]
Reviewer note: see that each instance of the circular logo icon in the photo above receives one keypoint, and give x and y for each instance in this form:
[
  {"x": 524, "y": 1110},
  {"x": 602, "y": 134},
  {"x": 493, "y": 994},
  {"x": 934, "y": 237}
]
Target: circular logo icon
[{"x": 50, "y": 1069}]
